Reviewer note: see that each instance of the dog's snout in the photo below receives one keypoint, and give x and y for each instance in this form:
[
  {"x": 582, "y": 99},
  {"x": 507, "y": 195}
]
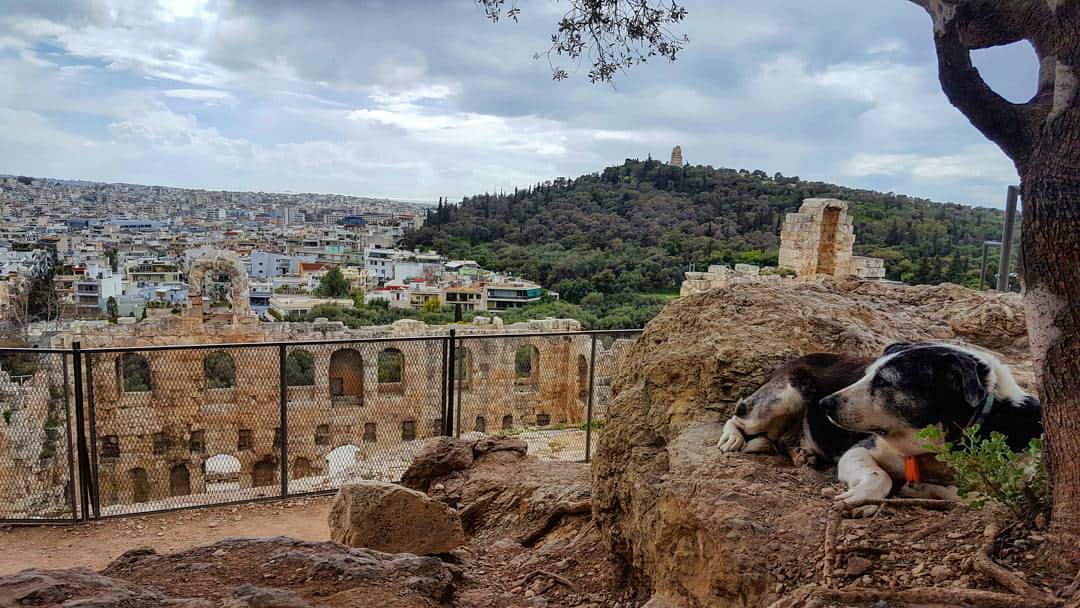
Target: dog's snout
[{"x": 830, "y": 403}]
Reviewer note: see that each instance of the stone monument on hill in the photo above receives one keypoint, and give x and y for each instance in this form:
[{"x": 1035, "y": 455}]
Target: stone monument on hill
[{"x": 676, "y": 157}]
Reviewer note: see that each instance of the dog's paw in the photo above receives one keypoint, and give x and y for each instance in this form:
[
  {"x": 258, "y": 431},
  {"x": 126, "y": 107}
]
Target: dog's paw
[
  {"x": 929, "y": 490},
  {"x": 731, "y": 440},
  {"x": 870, "y": 490},
  {"x": 802, "y": 457}
]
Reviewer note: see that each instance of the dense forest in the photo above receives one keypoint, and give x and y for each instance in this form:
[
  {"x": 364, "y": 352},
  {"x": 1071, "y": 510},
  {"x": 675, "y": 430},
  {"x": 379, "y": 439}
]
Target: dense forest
[{"x": 603, "y": 239}]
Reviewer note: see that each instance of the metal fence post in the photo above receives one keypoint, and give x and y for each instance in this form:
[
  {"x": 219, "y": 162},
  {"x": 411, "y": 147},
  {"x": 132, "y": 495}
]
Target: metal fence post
[
  {"x": 82, "y": 454},
  {"x": 445, "y": 342},
  {"x": 589, "y": 406},
  {"x": 1006, "y": 238},
  {"x": 448, "y": 419},
  {"x": 283, "y": 394},
  {"x": 71, "y": 456},
  {"x": 92, "y": 477}
]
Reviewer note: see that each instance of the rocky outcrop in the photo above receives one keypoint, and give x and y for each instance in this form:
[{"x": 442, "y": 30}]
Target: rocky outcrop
[
  {"x": 700, "y": 528},
  {"x": 272, "y": 572},
  {"x": 388, "y": 517}
]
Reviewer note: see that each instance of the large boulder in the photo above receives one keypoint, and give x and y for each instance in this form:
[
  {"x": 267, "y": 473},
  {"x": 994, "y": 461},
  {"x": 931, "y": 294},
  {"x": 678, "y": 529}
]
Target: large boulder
[
  {"x": 700, "y": 528},
  {"x": 392, "y": 518}
]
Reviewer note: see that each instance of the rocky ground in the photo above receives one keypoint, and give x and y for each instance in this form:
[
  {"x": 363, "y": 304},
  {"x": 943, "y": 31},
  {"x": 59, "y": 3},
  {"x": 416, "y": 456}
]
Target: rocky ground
[{"x": 530, "y": 543}]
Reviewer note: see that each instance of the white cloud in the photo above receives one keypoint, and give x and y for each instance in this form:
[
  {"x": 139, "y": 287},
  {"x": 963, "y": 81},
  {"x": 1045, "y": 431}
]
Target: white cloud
[{"x": 207, "y": 96}]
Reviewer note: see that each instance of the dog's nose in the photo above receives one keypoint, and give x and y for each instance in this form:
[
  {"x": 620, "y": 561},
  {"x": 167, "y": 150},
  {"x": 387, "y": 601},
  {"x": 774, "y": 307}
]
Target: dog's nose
[{"x": 829, "y": 404}]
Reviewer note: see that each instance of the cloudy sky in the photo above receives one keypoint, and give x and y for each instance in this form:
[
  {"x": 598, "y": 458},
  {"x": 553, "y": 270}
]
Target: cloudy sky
[{"x": 417, "y": 99}]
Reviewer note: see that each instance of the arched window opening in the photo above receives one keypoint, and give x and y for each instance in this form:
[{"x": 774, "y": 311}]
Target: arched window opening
[
  {"x": 370, "y": 433},
  {"x": 245, "y": 440},
  {"x": 507, "y": 422},
  {"x": 197, "y": 443},
  {"x": 301, "y": 468},
  {"x": 526, "y": 364},
  {"x": 179, "y": 481},
  {"x": 300, "y": 368},
  {"x": 219, "y": 369},
  {"x": 264, "y": 473},
  {"x": 140, "y": 485},
  {"x": 322, "y": 434},
  {"x": 543, "y": 419},
  {"x": 481, "y": 425},
  {"x": 346, "y": 374},
  {"x": 391, "y": 365},
  {"x": 408, "y": 430},
  {"x": 110, "y": 446},
  {"x": 133, "y": 373}
]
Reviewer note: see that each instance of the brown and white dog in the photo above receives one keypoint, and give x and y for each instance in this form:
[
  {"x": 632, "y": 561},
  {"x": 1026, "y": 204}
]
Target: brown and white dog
[{"x": 865, "y": 414}]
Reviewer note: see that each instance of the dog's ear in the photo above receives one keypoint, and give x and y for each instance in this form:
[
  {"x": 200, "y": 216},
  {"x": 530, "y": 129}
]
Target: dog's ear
[
  {"x": 896, "y": 347},
  {"x": 968, "y": 375}
]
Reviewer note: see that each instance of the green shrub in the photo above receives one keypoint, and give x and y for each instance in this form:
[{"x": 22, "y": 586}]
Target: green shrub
[{"x": 987, "y": 471}]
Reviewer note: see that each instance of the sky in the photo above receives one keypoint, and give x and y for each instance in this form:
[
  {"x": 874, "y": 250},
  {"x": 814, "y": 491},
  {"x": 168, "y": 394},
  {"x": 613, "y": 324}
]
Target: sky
[{"x": 417, "y": 99}]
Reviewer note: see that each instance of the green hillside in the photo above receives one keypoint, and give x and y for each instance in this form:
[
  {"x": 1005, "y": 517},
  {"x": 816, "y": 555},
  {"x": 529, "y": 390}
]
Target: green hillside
[{"x": 606, "y": 238}]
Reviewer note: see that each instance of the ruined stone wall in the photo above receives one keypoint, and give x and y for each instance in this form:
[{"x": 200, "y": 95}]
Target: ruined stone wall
[
  {"x": 169, "y": 439},
  {"x": 819, "y": 239}
]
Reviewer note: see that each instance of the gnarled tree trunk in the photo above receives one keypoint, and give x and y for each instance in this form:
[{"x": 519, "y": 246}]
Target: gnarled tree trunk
[
  {"x": 1042, "y": 137},
  {"x": 1050, "y": 187}
]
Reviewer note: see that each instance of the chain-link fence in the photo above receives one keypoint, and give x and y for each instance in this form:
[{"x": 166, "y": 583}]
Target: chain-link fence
[{"x": 92, "y": 433}]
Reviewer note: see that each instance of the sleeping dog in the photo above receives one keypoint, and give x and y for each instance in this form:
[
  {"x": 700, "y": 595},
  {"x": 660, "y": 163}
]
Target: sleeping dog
[{"x": 865, "y": 415}]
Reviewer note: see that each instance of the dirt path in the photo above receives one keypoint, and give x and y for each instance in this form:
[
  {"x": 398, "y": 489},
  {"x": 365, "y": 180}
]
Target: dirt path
[{"x": 98, "y": 543}]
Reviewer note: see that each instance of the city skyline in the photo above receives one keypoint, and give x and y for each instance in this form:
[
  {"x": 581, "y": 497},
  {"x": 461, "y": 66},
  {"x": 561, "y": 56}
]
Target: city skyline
[{"x": 413, "y": 101}]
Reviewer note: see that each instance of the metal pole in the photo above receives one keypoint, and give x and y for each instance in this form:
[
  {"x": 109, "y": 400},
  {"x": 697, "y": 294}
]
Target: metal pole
[
  {"x": 443, "y": 388},
  {"x": 1007, "y": 238},
  {"x": 982, "y": 269},
  {"x": 95, "y": 489},
  {"x": 83, "y": 454},
  {"x": 283, "y": 398},
  {"x": 72, "y": 490},
  {"x": 448, "y": 421},
  {"x": 589, "y": 407}
]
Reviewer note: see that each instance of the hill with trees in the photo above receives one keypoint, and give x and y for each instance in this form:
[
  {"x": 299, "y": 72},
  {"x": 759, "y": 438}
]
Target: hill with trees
[{"x": 608, "y": 237}]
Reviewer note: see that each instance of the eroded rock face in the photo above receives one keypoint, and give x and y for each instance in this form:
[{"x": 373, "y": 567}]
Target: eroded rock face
[
  {"x": 700, "y": 528},
  {"x": 388, "y": 517},
  {"x": 273, "y": 572}
]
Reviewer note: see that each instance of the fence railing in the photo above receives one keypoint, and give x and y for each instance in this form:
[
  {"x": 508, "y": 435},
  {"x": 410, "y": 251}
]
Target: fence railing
[{"x": 101, "y": 432}]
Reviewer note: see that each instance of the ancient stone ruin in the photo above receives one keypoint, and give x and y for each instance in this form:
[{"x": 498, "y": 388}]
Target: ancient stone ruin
[
  {"x": 219, "y": 262},
  {"x": 676, "y": 157},
  {"x": 817, "y": 241},
  {"x": 188, "y": 423}
]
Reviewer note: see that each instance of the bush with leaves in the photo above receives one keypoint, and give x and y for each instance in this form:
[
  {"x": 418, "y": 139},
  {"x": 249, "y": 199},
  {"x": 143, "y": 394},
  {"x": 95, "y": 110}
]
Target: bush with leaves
[{"x": 987, "y": 471}]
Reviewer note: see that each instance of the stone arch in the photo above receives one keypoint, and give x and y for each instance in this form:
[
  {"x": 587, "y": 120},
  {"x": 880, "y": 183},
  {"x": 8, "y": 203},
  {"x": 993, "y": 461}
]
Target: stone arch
[
  {"x": 507, "y": 422},
  {"x": 300, "y": 368},
  {"x": 391, "y": 366},
  {"x": 582, "y": 378},
  {"x": 264, "y": 473},
  {"x": 225, "y": 262},
  {"x": 347, "y": 375},
  {"x": 219, "y": 368},
  {"x": 179, "y": 480},
  {"x": 480, "y": 425},
  {"x": 301, "y": 468},
  {"x": 526, "y": 364},
  {"x": 140, "y": 484},
  {"x": 133, "y": 374}
]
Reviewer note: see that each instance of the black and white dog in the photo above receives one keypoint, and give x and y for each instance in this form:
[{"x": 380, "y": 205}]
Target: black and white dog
[{"x": 866, "y": 414}]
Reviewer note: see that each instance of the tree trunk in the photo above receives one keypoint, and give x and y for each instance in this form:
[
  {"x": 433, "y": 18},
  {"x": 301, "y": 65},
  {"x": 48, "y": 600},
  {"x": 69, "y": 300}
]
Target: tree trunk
[{"x": 1050, "y": 187}]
